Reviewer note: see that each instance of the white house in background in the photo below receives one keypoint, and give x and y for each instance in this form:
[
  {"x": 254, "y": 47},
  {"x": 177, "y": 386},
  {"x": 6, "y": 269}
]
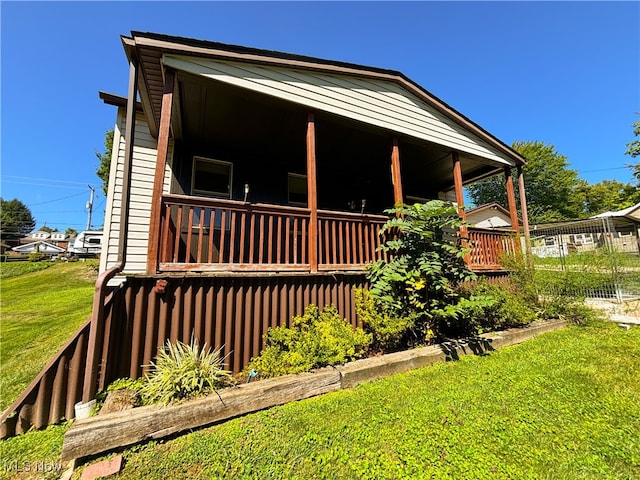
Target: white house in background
[
  {"x": 39, "y": 246},
  {"x": 489, "y": 215},
  {"x": 39, "y": 235}
]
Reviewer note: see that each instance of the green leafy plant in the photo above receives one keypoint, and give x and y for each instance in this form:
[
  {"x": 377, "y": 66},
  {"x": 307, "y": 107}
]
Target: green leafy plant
[
  {"x": 36, "y": 257},
  {"x": 315, "y": 339},
  {"x": 426, "y": 265},
  {"x": 126, "y": 383},
  {"x": 495, "y": 307},
  {"x": 184, "y": 371},
  {"x": 388, "y": 332}
]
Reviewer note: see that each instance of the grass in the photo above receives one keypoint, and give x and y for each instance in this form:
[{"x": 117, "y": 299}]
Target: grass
[
  {"x": 40, "y": 310},
  {"x": 563, "y": 405}
]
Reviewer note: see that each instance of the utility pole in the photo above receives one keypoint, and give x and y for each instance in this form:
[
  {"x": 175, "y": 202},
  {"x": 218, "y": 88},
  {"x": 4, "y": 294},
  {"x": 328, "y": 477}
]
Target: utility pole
[{"x": 90, "y": 206}]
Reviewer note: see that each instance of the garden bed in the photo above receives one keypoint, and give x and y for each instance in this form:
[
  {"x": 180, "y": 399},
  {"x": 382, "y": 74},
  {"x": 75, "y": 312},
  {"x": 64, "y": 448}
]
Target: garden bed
[{"x": 107, "y": 432}]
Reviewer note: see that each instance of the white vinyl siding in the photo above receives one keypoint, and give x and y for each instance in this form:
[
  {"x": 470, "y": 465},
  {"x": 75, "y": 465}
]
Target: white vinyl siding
[
  {"x": 376, "y": 102},
  {"x": 142, "y": 175}
]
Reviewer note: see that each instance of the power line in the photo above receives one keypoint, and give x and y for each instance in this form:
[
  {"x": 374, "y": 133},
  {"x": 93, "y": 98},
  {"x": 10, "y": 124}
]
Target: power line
[
  {"x": 45, "y": 179},
  {"x": 57, "y": 199}
]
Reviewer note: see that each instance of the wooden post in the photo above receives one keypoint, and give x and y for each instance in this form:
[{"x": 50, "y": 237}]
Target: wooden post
[
  {"x": 457, "y": 182},
  {"x": 513, "y": 210},
  {"x": 511, "y": 198},
  {"x": 396, "y": 177},
  {"x": 312, "y": 193},
  {"x": 525, "y": 214},
  {"x": 161, "y": 164}
]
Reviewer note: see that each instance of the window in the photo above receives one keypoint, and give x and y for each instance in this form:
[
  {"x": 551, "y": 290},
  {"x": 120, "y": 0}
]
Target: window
[
  {"x": 297, "y": 189},
  {"x": 550, "y": 241},
  {"x": 211, "y": 177},
  {"x": 581, "y": 238}
]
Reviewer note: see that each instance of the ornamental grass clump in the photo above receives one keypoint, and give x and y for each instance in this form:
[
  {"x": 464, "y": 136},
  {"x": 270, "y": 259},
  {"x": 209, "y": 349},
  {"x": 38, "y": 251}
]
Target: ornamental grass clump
[{"x": 184, "y": 371}]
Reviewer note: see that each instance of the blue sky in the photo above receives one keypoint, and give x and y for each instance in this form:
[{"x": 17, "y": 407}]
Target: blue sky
[{"x": 565, "y": 73}]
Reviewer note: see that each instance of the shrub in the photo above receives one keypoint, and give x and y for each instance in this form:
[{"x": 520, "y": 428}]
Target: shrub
[
  {"x": 388, "y": 332},
  {"x": 426, "y": 265},
  {"x": 502, "y": 306},
  {"x": 315, "y": 339},
  {"x": 184, "y": 371},
  {"x": 36, "y": 257}
]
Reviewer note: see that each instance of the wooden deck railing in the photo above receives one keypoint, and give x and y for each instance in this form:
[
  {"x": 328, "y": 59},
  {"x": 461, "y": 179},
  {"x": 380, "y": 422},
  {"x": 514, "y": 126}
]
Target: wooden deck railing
[
  {"x": 204, "y": 234},
  {"x": 210, "y": 234},
  {"x": 488, "y": 247},
  {"x": 348, "y": 240}
]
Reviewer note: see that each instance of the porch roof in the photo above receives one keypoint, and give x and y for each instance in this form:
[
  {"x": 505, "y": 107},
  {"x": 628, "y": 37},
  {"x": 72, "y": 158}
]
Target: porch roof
[{"x": 215, "y": 60}]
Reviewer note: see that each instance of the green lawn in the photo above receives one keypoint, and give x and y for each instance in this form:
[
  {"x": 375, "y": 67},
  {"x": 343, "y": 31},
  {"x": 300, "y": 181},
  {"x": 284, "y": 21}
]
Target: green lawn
[
  {"x": 40, "y": 310},
  {"x": 563, "y": 405}
]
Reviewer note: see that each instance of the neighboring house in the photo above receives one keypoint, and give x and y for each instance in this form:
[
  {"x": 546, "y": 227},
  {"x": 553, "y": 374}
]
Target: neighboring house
[
  {"x": 247, "y": 184},
  {"x": 490, "y": 215},
  {"x": 40, "y": 246},
  {"x": 618, "y": 230}
]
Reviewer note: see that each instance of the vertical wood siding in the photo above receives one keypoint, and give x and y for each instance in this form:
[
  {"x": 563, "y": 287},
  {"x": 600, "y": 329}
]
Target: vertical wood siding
[{"x": 231, "y": 313}]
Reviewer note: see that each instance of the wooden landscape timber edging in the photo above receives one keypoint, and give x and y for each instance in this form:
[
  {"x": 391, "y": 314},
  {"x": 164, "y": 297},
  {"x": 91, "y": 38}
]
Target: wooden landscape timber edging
[{"x": 102, "y": 433}]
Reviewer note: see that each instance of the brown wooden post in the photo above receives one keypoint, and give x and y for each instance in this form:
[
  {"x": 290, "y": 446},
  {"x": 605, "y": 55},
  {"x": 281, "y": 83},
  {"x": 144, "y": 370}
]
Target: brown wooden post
[
  {"x": 396, "y": 177},
  {"x": 161, "y": 164},
  {"x": 511, "y": 199},
  {"x": 457, "y": 182},
  {"x": 312, "y": 193},
  {"x": 513, "y": 210},
  {"x": 525, "y": 214}
]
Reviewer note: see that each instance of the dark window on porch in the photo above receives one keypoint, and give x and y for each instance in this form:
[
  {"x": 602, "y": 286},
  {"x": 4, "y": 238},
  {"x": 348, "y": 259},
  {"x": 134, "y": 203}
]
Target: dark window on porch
[
  {"x": 297, "y": 188},
  {"x": 211, "y": 177}
]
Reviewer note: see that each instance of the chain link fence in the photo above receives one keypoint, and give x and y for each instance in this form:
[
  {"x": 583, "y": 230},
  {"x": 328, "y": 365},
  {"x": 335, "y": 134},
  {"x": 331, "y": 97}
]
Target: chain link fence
[{"x": 596, "y": 258}]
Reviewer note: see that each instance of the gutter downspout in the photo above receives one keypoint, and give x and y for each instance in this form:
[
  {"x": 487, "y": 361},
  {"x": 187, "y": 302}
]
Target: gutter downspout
[{"x": 96, "y": 330}]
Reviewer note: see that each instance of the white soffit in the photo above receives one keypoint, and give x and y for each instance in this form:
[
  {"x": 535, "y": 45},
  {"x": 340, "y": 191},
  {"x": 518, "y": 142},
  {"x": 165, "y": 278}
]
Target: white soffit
[{"x": 380, "y": 103}]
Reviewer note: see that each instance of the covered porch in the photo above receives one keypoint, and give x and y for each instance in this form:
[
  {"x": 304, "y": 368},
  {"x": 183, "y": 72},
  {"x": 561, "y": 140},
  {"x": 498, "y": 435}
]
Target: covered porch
[{"x": 274, "y": 163}]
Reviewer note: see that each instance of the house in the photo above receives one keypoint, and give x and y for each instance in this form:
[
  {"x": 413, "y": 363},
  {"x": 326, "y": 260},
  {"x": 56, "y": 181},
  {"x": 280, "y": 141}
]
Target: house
[
  {"x": 247, "y": 184},
  {"x": 39, "y": 246},
  {"x": 490, "y": 215},
  {"x": 617, "y": 230}
]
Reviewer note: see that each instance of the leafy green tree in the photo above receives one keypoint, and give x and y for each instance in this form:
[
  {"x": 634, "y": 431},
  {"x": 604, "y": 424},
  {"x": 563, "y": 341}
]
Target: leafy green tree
[
  {"x": 104, "y": 159},
  {"x": 71, "y": 232},
  {"x": 554, "y": 191},
  {"x": 44, "y": 228},
  {"x": 633, "y": 147},
  {"x": 633, "y": 150},
  {"x": 609, "y": 195},
  {"x": 15, "y": 219},
  {"x": 426, "y": 265}
]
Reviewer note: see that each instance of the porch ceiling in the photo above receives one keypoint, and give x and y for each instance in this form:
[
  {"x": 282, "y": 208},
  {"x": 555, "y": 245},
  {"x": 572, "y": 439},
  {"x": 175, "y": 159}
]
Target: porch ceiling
[
  {"x": 255, "y": 123},
  {"x": 148, "y": 50}
]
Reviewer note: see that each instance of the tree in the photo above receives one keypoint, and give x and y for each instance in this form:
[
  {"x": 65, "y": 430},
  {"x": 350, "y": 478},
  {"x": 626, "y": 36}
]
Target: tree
[
  {"x": 609, "y": 195},
  {"x": 104, "y": 166},
  {"x": 15, "y": 219},
  {"x": 44, "y": 228},
  {"x": 633, "y": 150},
  {"x": 633, "y": 147},
  {"x": 71, "y": 232},
  {"x": 554, "y": 191}
]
